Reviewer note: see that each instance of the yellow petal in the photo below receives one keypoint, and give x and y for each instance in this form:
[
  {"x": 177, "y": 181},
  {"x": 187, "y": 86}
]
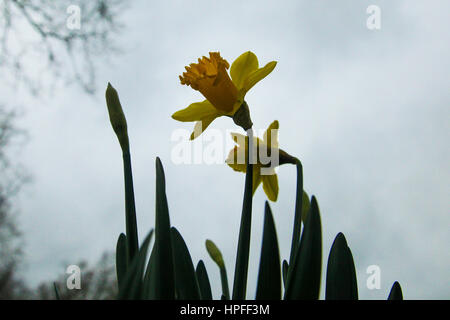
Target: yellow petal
[
  {"x": 196, "y": 111},
  {"x": 270, "y": 186},
  {"x": 201, "y": 126},
  {"x": 238, "y": 138},
  {"x": 242, "y": 67},
  {"x": 256, "y": 177},
  {"x": 257, "y": 75},
  {"x": 236, "y": 159},
  {"x": 270, "y": 137}
]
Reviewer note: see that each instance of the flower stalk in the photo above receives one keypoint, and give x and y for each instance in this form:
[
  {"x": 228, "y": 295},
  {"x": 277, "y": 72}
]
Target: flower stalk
[{"x": 119, "y": 125}]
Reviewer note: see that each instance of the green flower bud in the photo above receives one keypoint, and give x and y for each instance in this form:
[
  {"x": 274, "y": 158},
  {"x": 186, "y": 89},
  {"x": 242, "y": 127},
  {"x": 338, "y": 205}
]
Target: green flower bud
[
  {"x": 117, "y": 117},
  {"x": 215, "y": 253}
]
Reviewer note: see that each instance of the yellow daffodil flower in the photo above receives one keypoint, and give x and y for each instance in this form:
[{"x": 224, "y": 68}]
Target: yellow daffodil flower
[
  {"x": 224, "y": 92},
  {"x": 237, "y": 159}
]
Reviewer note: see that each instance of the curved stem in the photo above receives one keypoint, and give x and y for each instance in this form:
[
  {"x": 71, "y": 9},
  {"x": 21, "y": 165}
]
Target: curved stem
[{"x": 298, "y": 212}]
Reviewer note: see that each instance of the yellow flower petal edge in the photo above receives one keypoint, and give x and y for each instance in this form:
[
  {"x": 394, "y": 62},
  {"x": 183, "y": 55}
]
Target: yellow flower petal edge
[
  {"x": 258, "y": 75},
  {"x": 237, "y": 160},
  {"x": 257, "y": 178},
  {"x": 196, "y": 111},
  {"x": 270, "y": 186},
  {"x": 270, "y": 137},
  {"x": 242, "y": 67},
  {"x": 226, "y": 95},
  {"x": 201, "y": 126}
]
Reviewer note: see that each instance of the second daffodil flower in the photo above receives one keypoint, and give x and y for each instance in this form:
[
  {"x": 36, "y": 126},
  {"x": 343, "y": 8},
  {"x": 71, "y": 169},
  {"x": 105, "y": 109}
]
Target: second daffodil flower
[
  {"x": 266, "y": 156},
  {"x": 224, "y": 92}
]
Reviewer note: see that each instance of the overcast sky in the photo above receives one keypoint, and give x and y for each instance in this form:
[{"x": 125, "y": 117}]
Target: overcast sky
[{"x": 366, "y": 111}]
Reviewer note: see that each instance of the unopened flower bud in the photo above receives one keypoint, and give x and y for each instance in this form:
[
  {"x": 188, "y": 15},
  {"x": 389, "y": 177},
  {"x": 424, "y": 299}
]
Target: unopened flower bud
[{"x": 117, "y": 117}]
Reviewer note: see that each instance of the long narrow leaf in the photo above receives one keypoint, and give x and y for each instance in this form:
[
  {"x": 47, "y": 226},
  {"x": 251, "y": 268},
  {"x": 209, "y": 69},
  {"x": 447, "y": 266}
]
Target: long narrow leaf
[
  {"x": 131, "y": 288},
  {"x": 304, "y": 280},
  {"x": 162, "y": 278},
  {"x": 121, "y": 258},
  {"x": 396, "y": 292},
  {"x": 203, "y": 281},
  {"x": 341, "y": 274},
  {"x": 243, "y": 250},
  {"x": 149, "y": 285},
  {"x": 269, "y": 277},
  {"x": 285, "y": 268},
  {"x": 186, "y": 283}
]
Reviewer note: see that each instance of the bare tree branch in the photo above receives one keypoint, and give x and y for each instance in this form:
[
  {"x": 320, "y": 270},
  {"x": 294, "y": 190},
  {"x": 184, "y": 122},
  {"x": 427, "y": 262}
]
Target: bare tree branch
[{"x": 37, "y": 30}]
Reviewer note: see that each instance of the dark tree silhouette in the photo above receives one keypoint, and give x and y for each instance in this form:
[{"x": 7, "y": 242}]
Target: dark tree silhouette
[{"x": 42, "y": 43}]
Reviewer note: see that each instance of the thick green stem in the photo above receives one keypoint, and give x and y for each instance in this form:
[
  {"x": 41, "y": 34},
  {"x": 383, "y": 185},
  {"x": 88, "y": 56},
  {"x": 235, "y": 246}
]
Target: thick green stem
[
  {"x": 224, "y": 280},
  {"x": 242, "y": 257},
  {"x": 298, "y": 213},
  {"x": 130, "y": 208}
]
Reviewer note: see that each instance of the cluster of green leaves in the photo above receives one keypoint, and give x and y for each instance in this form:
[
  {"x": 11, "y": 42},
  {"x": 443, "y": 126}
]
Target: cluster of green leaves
[{"x": 169, "y": 273}]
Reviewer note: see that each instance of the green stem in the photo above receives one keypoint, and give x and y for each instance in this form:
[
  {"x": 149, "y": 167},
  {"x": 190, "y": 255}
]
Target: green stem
[
  {"x": 130, "y": 208},
  {"x": 298, "y": 213},
  {"x": 241, "y": 269},
  {"x": 224, "y": 280}
]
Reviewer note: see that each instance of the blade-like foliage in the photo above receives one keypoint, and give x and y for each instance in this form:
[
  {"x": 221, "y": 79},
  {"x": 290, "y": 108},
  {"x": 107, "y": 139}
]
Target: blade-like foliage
[
  {"x": 285, "y": 268},
  {"x": 132, "y": 286},
  {"x": 161, "y": 281},
  {"x": 396, "y": 292},
  {"x": 186, "y": 283},
  {"x": 203, "y": 281},
  {"x": 341, "y": 275},
  {"x": 121, "y": 258},
  {"x": 269, "y": 277},
  {"x": 303, "y": 283}
]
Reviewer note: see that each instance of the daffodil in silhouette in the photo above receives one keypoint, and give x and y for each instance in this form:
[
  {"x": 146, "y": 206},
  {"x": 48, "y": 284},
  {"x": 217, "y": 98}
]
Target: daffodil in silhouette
[
  {"x": 224, "y": 93},
  {"x": 266, "y": 157}
]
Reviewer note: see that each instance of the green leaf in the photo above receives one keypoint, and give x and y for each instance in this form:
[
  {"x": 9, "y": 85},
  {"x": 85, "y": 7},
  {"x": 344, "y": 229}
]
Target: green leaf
[
  {"x": 396, "y": 292},
  {"x": 304, "y": 281},
  {"x": 341, "y": 281},
  {"x": 203, "y": 281},
  {"x": 161, "y": 280},
  {"x": 121, "y": 258},
  {"x": 285, "y": 272},
  {"x": 186, "y": 283},
  {"x": 243, "y": 250},
  {"x": 305, "y": 206},
  {"x": 149, "y": 285},
  {"x": 269, "y": 277},
  {"x": 131, "y": 288},
  {"x": 216, "y": 256}
]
